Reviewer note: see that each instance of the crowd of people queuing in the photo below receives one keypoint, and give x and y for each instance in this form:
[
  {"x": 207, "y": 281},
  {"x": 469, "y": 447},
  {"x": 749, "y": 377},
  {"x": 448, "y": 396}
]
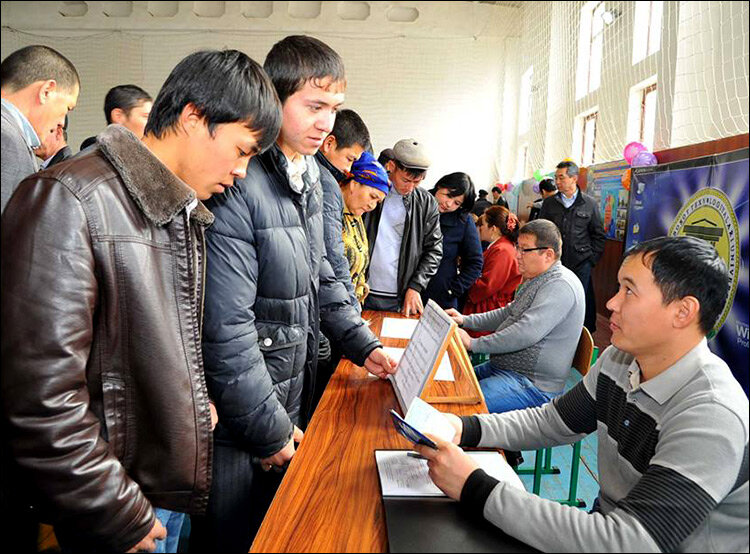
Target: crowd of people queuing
[{"x": 176, "y": 296}]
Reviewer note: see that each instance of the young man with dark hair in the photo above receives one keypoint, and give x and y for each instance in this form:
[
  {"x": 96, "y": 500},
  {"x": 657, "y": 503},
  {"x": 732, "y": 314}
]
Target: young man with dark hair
[
  {"x": 405, "y": 240},
  {"x": 577, "y": 216},
  {"x": 547, "y": 188},
  {"x": 346, "y": 142},
  {"x": 270, "y": 289},
  {"x": 340, "y": 149},
  {"x": 105, "y": 404},
  {"x": 671, "y": 421},
  {"x": 126, "y": 105},
  {"x": 39, "y": 86}
]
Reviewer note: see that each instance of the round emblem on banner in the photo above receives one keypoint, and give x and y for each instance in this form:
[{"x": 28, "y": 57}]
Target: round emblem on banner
[{"x": 708, "y": 215}]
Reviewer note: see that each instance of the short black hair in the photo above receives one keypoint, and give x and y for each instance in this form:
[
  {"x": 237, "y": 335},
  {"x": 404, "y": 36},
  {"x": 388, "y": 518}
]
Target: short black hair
[
  {"x": 297, "y": 59},
  {"x": 482, "y": 193},
  {"x": 386, "y": 156},
  {"x": 349, "y": 129},
  {"x": 497, "y": 190},
  {"x": 545, "y": 233},
  {"x": 687, "y": 266},
  {"x": 547, "y": 185},
  {"x": 125, "y": 97},
  {"x": 37, "y": 63},
  {"x": 226, "y": 86},
  {"x": 458, "y": 184},
  {"x": 571, "y": 169}
]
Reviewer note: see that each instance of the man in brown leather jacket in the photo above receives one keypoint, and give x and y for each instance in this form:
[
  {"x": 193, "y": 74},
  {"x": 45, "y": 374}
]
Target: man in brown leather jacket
[{"x": 105, "y": 409}]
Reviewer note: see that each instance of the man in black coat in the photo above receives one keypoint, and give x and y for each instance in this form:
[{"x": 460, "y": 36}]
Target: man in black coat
[
  {"x": 577, "y": 216},
  {"x": 269, "y": 290},
  {"x": 405, "y": 240},
  {"x": 481, "y": 204}
]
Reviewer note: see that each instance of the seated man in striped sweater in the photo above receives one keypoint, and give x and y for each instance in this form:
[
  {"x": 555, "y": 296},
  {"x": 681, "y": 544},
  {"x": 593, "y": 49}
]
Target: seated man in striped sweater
[{"x": 671, "y": 419}]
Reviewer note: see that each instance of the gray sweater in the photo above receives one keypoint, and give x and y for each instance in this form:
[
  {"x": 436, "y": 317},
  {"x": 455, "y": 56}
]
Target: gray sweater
[
  {"x": 673, "y": 460},
  {"x": 536, "y": 334},
  {"x": 18, "y": 159}
]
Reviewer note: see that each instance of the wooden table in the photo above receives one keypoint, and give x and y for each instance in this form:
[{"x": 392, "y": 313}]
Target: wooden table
[{"x": 329, "y": 500}]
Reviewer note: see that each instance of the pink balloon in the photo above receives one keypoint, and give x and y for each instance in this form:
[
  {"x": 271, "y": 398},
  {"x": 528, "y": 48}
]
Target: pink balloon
[
  {"x": 509, "y": 187},
  {"x": 643, "y": 158},
  {"x": 631, "y": 150}
]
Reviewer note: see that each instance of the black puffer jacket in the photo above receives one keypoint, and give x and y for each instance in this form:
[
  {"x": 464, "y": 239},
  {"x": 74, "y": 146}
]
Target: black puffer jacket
[
  {"x": 269, "y": 286},
  {"x": 422, "y": 243},
  {"x": 580, "y": 226}
]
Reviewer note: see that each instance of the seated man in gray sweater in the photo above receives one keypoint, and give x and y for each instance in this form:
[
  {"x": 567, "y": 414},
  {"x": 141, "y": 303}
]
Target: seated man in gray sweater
[
  {"x": 535, "y": 336},
  {"x": 671, "y": 421}
]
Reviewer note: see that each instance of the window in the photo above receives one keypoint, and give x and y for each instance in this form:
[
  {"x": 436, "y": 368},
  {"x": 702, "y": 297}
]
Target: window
[
  {"x": 646, "y": 29},
  {"x": 642, "y": 102},
  {"x": 588, "y": 141},
  {"x": 524, "y": 102},
  {"x": 648, "y": 117},
  {"x": 590, "y": 42}
]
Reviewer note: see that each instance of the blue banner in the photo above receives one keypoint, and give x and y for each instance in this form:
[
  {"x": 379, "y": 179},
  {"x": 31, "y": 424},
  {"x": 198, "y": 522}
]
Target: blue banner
[{"x": 707, "y": 198}]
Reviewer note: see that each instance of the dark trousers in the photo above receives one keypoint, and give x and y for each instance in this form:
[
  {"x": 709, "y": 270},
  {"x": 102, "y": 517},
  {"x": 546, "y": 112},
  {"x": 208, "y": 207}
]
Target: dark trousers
[
  {"x": 326, "y": 368},
  {"x": 583, "y": 272},
  {"x": 381, "y": 303},
  {"x": 241, "y": 493}
]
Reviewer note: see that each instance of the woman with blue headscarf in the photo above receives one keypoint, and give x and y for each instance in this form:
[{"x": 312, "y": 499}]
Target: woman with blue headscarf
[{"x": 362, "y": 189}]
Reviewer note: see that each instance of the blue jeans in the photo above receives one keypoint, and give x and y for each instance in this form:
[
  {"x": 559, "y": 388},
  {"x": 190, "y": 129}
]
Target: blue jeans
[
  {"x": 172, "y": 522},
  {"x": 505, "y": 390}
]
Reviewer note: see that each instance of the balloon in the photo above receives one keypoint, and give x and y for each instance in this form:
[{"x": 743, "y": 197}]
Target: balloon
[
  {"x": 509, "y": 186},
  {"x": 643, "y": 158},
  {"x": 625, "y": 179},
  {"x": 535, "y": 188},
  {"x": 568, "y": 160},
  {"x": 538, "y": 175},
  {"x": 631, "y": 149}
]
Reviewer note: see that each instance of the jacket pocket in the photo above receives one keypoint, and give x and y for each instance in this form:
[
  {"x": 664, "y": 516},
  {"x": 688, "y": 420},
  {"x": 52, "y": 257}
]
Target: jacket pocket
[
  {"x": 114, "y": 399},
  {"x": 283, "y": 348},
  {"x": 275, "y": 336}
]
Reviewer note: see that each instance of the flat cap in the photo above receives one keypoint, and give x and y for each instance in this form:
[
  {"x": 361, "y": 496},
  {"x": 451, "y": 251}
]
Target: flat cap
[{"x": 410, "y": 153}]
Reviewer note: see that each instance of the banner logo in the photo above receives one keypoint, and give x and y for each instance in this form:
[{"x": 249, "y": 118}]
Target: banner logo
[{"x": 708, "y": 215}]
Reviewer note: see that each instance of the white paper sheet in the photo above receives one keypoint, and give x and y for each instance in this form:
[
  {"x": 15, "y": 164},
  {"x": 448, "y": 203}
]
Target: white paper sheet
[
  {"x": 428, "y": 420},
  {"x": 402, "y": 475},
  {"x": 444, "y": 371},
  {"x": 398, "y": 328}
]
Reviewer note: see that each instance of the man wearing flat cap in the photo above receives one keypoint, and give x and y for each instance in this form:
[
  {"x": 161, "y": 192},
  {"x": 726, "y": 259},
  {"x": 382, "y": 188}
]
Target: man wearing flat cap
[{"x": 406, "y": 243}]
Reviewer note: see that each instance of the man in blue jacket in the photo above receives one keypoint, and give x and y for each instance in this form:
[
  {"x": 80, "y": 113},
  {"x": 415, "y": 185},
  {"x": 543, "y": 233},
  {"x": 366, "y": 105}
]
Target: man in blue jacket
[{"x": 269, "y": 289}]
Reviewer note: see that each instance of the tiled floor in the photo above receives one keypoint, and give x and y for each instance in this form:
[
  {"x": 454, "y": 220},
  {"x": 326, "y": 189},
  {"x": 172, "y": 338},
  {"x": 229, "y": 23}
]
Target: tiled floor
[{"x": 556, "y": 487}]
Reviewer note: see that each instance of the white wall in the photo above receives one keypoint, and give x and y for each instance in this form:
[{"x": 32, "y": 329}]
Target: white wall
[
  {"x": 450, "y": 78},
  {"x": 701, "y": 67},
  {"x": 438, "y": 79}
]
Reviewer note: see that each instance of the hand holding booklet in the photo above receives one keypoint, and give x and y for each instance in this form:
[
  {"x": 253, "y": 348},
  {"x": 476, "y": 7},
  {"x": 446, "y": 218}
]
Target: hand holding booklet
[{"x": 405, "y": 475}]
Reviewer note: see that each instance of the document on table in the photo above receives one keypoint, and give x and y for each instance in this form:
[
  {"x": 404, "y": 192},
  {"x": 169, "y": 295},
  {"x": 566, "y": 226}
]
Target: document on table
[
  {"x": 398, "y": 328},
  {"x": 428, "y": 420},
  {"x": 403, "y": 475},
  {"x": 444, "y": 371},
  {"x": 421, "y": 354}
]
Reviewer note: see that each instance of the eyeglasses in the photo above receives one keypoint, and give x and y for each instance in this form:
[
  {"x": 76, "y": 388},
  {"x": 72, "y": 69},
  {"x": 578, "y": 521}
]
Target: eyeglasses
[{"x": 524, "y": 250}]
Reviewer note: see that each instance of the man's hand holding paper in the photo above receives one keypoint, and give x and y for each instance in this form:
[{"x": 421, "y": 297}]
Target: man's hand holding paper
[{"x": 449, "y": 466}]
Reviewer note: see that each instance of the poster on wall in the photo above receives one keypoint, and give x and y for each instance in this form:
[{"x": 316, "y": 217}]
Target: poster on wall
[
  {"x": 707, "y": 198},
  {"x": 604, "y": 184}
]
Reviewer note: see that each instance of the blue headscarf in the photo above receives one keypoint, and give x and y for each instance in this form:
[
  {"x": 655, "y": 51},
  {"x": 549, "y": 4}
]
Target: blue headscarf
[{"x": 367, "y": 171}]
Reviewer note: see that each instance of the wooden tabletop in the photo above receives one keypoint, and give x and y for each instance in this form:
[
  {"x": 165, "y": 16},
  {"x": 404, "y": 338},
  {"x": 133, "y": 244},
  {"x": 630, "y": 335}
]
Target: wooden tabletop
[{"x": 329, "y": 500}]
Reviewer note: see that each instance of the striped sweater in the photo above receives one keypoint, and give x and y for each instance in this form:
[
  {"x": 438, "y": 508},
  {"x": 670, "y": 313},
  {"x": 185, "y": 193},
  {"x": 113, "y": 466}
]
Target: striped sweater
[{"x": 673, "y": 460}]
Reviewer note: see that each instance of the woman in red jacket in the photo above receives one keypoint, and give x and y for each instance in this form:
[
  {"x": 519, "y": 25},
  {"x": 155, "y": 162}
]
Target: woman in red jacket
[{"x": 500, "y": 276}]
